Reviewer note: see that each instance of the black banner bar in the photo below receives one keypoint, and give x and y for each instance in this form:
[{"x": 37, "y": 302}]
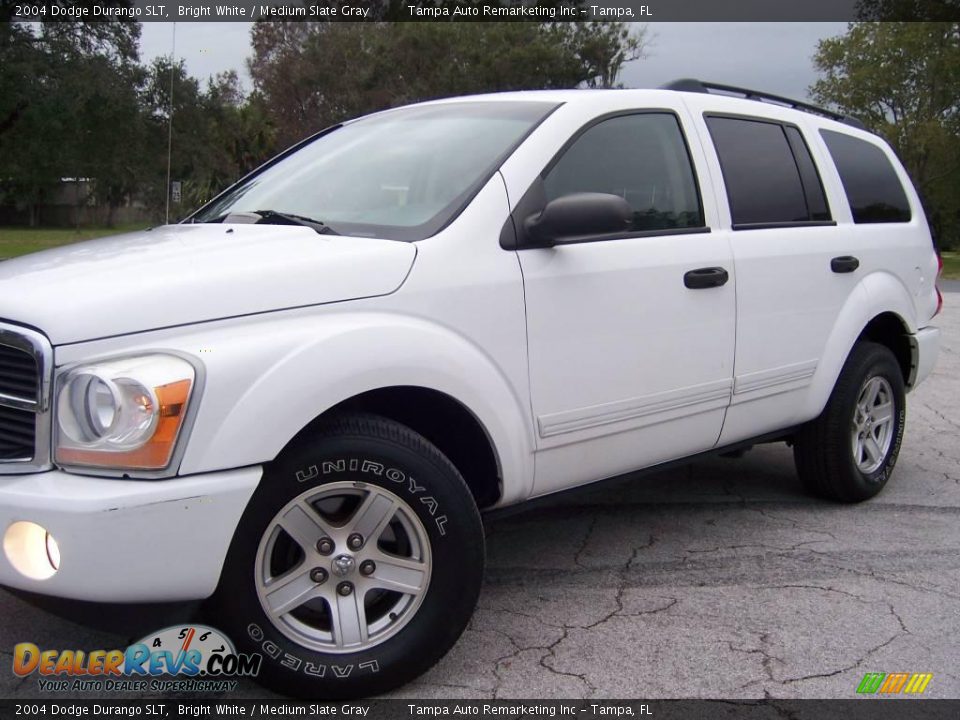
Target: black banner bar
[
  {"x": 482, "y": 10},
  {"x": 864, "y": 709}
]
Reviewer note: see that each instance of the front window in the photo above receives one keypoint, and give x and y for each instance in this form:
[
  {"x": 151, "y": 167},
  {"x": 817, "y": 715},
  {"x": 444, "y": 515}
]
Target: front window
[{"x": 400, "y": 175}]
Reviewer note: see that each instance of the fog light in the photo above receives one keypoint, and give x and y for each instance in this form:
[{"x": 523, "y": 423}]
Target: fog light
[
  {"x": 53, "y": 552},
  {"x": 31, "y": 550}
]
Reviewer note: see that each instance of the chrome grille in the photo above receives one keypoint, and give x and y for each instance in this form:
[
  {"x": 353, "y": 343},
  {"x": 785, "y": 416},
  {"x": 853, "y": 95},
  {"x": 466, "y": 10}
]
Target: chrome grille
[
  {"x": 26, "y": 367},
  {"x": 17, "y": 434},
  {"x": 19, "y": 375}
]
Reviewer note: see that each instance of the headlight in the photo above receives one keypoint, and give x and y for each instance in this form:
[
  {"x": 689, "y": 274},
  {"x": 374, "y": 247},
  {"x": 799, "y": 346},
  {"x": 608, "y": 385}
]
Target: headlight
[{"x": 124, "y": 413}]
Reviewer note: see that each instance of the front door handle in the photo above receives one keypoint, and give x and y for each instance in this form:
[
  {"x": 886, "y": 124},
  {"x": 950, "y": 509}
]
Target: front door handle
[
  {"x": 705, "y": 278},
  {"x": 844, "y": 264}
]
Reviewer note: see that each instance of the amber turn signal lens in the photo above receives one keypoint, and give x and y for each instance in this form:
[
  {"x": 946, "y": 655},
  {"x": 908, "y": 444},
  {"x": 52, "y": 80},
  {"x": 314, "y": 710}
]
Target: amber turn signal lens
[{"x": 157, "y": 451}]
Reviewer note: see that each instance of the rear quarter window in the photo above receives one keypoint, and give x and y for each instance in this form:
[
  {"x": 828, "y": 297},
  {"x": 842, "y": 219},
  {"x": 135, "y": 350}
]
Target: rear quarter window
[{"x": 871, "y": 184}]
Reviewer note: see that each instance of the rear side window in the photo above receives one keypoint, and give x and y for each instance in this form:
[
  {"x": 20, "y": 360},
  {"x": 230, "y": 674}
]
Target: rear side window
[
  {"x": 809, "y": 177},
  {"x": 642, "y": 158},
  {"x": 770, "y": 177},
  {"x": 869, "y": 180}
]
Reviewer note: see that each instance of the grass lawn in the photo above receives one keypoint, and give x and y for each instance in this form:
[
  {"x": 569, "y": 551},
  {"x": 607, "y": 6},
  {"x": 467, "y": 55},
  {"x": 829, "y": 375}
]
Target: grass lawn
[
  {"x": 20, "y": 241},
  {"x": 951, "y": 265}
]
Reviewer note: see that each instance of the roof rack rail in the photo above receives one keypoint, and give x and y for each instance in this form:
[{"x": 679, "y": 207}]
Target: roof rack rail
[{"x": 700, "y": 86}]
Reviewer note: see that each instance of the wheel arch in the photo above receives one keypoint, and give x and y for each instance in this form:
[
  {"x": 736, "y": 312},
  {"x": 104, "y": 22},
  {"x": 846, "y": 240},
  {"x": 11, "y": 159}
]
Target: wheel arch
[
  {"x": 443, "y": 420},
  {"x": 889, "y": 329},
  {"x": 362, "y": 360},
  {"x": 879, "y": 310}
]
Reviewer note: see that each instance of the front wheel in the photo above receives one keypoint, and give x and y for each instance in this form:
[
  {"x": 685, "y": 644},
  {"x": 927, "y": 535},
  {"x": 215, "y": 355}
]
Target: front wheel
[
  {"x": 849, "y": 452},
  {"x": 357, "y": 564}
]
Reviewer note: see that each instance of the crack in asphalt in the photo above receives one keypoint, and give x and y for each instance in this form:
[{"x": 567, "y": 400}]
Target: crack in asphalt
[
  {"x": 700, "y": 569},
  {"x": 618, "y": 611},
  {"x": 585, "y": 542},
  {"x": 948, "y": 420},
  {"x": 796, "y": 524},
  {"x": 767, "y": 658},
  {"x": 885, "y": 579},
  {"x": 766, "y": 661},
  {"x": 520, "y": 649},
  {"x": 898, "y": 634},
  {"x": 549, "y": 651}
]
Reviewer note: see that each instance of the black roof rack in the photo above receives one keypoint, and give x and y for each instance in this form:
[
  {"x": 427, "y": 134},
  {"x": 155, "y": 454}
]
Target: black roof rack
[{"x": 700, "y": 86}]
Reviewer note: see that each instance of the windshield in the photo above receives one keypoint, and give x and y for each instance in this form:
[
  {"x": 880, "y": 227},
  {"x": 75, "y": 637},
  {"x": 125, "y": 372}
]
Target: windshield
[{"x": 401, "y": 175}]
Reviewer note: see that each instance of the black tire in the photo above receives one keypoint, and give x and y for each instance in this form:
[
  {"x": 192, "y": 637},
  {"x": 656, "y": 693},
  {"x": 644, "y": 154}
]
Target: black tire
[
  {"x": 439, "y": 498},
  {"x": 824, "y": 450}
]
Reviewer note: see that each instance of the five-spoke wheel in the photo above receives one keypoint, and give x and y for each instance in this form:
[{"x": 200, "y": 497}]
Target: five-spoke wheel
[
  {"x": 357, "y": 563},
  {"x": 849, "y": 451},
  {"x": 343, "y": 567},
  {"x": 872, "y": 424}
]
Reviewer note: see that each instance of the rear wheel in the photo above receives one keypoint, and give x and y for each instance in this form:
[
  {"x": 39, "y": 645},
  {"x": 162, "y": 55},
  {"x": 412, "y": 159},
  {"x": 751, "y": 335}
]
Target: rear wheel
[
  {"x": 849, "y": 452},
  {"x": 357, "y": 564}
]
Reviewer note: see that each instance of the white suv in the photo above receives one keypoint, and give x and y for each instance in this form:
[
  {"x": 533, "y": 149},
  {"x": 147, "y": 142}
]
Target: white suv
[{"x": 298, "y": 401}]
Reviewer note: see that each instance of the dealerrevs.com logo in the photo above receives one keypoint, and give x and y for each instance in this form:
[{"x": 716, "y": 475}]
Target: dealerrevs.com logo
[{"x": 197, "y": 657}]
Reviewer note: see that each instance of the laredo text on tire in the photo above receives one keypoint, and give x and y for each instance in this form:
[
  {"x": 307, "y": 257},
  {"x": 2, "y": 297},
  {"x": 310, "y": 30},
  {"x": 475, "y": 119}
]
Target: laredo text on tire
[{"x": 357, "y": 563}]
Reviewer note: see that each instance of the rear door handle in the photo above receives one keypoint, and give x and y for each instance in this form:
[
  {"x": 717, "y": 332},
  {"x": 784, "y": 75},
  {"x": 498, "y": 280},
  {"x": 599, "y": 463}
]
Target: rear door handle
[
  {"x": 844, "y": 264},
  {"x": 705, "y": 278}
]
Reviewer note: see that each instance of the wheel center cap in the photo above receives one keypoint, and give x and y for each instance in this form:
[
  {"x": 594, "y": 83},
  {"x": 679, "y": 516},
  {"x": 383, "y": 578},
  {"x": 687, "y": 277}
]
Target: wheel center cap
[{"x": 343, "y": 565}]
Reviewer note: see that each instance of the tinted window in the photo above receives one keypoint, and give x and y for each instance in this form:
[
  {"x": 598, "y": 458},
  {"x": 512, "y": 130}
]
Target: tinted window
[
  {"x": 761, "y": 175},
  {"x": 643, "y": 159},
  {"x": 869, "y": 180},
  {"x": 812, "y": 187}
]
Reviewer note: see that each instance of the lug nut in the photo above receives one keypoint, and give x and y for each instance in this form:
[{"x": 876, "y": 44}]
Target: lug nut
[
  {"x": 325, "y": 546},
  {"x": 367, "y": 567},
  {"x": 318, "y": 575},
  {"x": 344, "y": 589},
  {"x": 355, "y": 541}
]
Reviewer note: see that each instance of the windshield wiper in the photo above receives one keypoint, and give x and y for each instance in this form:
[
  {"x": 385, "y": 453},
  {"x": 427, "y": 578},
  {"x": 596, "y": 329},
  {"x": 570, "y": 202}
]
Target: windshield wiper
[{"x": 272, "y": 217}]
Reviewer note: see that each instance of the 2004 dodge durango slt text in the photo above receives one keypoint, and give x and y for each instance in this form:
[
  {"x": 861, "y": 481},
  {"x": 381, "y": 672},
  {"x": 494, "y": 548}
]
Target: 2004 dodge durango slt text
[{"x": 314, "y": 384}]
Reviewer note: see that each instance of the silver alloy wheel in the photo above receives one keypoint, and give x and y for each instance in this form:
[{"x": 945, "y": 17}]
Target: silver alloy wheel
[
  {"x": 360, "y": 594},
  {"x": 872, "y": 427}
]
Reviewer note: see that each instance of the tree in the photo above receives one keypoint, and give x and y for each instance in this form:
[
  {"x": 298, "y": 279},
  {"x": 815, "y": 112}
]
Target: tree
[
  {"x": 219, "y": 134},
  {"x": 316, "y": 74},
  {"x": 903, "y": 81},
  {"x": 68, "y": 108}
]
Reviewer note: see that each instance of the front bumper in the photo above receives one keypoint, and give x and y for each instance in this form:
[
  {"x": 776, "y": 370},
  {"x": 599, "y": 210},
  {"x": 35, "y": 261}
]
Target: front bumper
[
  {"x": 924, "y": 347},
  {"x": 128, "y": 540}
]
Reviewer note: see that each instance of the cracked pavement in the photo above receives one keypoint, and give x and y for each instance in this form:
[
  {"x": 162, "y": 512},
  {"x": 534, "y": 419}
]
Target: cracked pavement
[{"x": 719, "y": 579}]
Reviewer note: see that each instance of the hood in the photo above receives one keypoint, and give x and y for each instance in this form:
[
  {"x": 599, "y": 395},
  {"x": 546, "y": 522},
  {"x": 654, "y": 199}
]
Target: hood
[{"x": 181, "y": 274}]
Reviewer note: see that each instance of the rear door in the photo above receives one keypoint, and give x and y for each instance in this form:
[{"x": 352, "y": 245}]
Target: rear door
[{"x": 791, "y": 281}]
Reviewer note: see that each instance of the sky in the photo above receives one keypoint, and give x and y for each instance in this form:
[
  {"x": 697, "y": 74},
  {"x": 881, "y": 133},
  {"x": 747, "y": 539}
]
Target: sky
[{"x": 773, "y": 57}]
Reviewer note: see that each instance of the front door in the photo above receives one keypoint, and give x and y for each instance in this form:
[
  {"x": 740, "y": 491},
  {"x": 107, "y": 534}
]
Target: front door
[{"x": 631, "y": 336}]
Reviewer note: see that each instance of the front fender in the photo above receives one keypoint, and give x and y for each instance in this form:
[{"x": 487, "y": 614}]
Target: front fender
[{"x": 313, "y": 364}]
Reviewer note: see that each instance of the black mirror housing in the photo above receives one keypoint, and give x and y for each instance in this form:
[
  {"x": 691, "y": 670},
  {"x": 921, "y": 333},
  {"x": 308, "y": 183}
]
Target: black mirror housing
[{"x": 577, "y": 216}]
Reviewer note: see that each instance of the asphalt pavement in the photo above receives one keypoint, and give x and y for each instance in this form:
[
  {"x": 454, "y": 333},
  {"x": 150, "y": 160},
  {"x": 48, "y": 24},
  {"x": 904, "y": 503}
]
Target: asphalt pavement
[{"x": 719, "y": 579}]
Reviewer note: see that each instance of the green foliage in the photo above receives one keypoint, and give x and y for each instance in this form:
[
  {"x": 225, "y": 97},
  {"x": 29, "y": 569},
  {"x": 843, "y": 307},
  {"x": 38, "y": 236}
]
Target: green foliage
[
  {"x": 316, "y": 74},
  {"x": 76, "y": 103},
  {"x": 951, "y": 266},
  {"x": 903, "y": 81},
  {"x": 69, "y": 108}
]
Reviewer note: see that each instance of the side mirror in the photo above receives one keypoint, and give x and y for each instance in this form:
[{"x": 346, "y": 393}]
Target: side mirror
[{"x": 580, "y": 215}]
